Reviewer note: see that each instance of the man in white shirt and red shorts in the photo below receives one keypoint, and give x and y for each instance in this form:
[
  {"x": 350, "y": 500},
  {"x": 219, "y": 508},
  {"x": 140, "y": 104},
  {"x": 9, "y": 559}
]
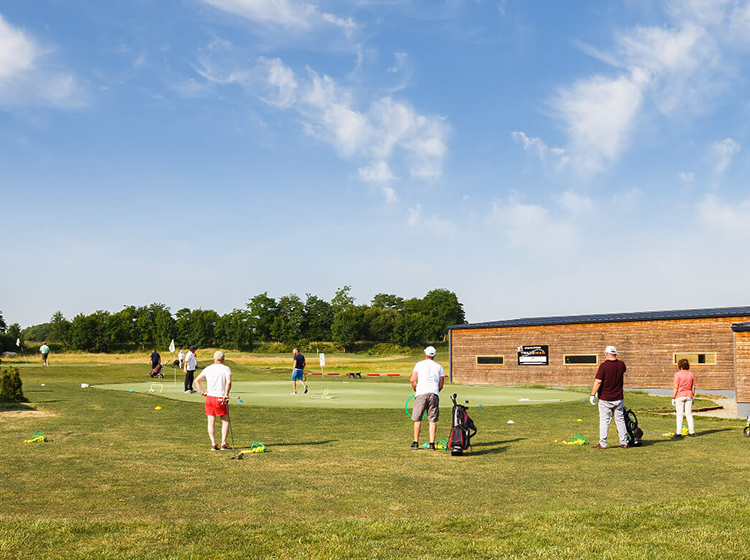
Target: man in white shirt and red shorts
[{"x": 218, "y": 383}]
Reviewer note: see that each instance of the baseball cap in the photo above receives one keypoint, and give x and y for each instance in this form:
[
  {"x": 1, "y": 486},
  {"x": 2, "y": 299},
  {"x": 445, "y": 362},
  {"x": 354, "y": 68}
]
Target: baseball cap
[
  {"x": 193, "y": 348},
  {"x": 429, "y": 351},
  {"x": 610, "y": 350}
]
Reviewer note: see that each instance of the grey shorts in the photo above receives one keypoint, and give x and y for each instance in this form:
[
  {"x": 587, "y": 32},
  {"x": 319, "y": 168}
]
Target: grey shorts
[{"x": 429, "y": 402}]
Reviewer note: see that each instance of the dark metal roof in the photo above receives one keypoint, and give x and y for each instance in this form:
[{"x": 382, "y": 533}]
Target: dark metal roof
[
  {"x": 715, "y": 313},
  {"x": 741, "y": 327}
]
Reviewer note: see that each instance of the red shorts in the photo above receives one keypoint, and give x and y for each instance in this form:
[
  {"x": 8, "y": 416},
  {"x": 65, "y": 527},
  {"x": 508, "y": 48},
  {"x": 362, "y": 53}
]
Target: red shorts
[{"x": 215, "y": 406}]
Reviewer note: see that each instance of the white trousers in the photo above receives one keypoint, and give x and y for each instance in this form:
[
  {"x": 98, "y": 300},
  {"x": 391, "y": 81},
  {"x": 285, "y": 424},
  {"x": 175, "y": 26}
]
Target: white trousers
[{"x": 684, "y": 405}]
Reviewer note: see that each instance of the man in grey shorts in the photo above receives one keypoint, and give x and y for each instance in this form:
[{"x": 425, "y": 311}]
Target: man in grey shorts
[{"x": 427, "y": 381}]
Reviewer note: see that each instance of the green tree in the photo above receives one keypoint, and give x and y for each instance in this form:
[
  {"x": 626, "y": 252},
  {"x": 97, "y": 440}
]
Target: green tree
[
  {"x": 388, "y": 301},
  {"x": 318, "y": 318},
  {"x": 235, "y": 330},
  {"x": 14, "y": 332},
  {"x": 379, "y": 323},
  {"x": 82, "y": 333},
  {"x": 3, "y": 325},
  {"x": 412, "y": 329},
  {"x": 287, "y": 325},
  {"x": 444, "y": 309},
  {"x": 263, "y": 310},
  {"x": 348, "y": 326},
  {"x": 342, "y": 299},
  {"x": 58, "y": 329}
]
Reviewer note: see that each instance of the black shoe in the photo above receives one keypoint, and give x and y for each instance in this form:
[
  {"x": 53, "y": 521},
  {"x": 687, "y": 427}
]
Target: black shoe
[
  {"x": 432, "y": 446},
  {"x": 677, "y": 436},
  {"x": 415, "y": 445},
  {"x": 691, "y": 435},
  {"x": 305, "y": 388}
]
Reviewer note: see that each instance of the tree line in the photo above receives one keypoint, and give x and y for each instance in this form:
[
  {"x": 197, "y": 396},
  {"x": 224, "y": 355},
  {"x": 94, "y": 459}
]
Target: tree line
[{"x": 287, "y": 320}]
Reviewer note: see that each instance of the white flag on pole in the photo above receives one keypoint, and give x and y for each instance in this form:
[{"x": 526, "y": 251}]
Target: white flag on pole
[
  {"x": 171, "y": 346},
  {"x": 18, "y": 342}
]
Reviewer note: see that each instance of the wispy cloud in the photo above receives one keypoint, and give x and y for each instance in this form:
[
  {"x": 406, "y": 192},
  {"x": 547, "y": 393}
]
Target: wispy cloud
[
  {"x": 545, "y": 153},
  {"x": 298, "y": 16},
  {"x": 688, "y": 177},
  {"x": 379, "y": 174},
  {"x": 722, "y": 152},
  {"x": 26, "y": 79},
  {"x": 731, "y": 217},
  {"x": 431, "y": 224}
]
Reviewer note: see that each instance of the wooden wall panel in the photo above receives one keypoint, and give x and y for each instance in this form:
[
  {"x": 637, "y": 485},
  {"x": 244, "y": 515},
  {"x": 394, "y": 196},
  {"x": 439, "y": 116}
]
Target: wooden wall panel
[
  {"x": 645, "y": 346},
  {"x": 742, "y": 366}
]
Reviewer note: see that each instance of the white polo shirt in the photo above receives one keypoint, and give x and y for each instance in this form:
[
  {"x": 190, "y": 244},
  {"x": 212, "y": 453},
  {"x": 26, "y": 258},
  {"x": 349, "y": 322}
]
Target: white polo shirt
[
  {"x": 217, "y": 377},
  {"x": 190, "y": 361},
  {"x": 429, "y": 373}
]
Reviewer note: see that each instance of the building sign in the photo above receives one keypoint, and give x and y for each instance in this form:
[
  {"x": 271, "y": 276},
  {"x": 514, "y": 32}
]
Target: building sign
[{"x": 533, "y": 355}]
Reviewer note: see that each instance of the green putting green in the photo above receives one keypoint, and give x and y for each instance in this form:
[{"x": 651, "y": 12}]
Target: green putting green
[{"x": 351, "y": 394}]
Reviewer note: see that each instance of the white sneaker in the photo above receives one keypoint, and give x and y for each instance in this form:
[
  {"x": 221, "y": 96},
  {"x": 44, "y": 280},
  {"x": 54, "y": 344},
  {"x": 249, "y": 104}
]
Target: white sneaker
[{"x": 294, "y": 392}]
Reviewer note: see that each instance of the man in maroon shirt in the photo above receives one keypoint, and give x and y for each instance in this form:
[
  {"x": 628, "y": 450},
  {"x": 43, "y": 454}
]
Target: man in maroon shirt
[{"x": 608, "y": 387}]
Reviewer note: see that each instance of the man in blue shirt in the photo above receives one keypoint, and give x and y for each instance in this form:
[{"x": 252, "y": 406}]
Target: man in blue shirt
[
  {"x": 155, "y": 358},
  {"x": 298, "y": 371}
]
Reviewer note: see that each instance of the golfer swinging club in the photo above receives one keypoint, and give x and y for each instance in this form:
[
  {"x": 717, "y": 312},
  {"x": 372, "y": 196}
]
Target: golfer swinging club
[
  {"x": 427, "y": 381},
  {"x": 218, "y": 383}
]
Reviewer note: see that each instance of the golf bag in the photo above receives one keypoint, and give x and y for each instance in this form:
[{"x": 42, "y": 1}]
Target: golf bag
[
  {"x": 462, "y": 430},
  {"x": 156, "y": 372},
  {"x": 634, "y": 432}
]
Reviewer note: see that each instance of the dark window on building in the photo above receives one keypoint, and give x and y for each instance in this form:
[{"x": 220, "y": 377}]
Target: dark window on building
[
  {"x": 490, "y": 360},
  {"x": 580, "y": 359},
  {"x": 695, "y": 358}
]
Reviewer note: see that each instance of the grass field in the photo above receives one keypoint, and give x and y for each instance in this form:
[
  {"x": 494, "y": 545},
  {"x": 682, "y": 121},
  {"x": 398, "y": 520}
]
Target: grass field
[{"x": 121, "y": 480}]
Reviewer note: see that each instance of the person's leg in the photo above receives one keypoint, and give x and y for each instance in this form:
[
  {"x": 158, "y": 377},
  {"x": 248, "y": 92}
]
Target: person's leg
[
  {"x": 619, "y": 414},
  {"x": 433, "y": 431},
  {"x": 689, "y": 415},
  {"x": 603, "y": 422},
  {"x": 211, "y": 430},
  {"x": 224, "y": 429},
  {"x": 294, "y": 386},
  {"x": 191, "y": 375},
  {"x": 417, "y": 429},
  {"x": 679, "y": 406}
]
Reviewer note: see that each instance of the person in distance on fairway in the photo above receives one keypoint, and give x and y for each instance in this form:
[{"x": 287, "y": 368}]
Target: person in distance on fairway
[
  {"x": 298, "y": 371},
  {"x": 608, "y": 387},
  {"x": 218, "y": 383},
  {"x": 191, "y": 363},
  {"x": 427, "y": 381},
  {"x": 155, "y": 358},
  {"x": 44, "y": 351},
  {"x": 683, "y": 394},
  {"x": 181, "y": 358}
]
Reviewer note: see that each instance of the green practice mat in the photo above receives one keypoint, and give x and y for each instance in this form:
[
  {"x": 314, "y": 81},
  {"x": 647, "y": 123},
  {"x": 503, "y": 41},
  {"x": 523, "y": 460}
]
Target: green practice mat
[{"x": 351, "y": 394}]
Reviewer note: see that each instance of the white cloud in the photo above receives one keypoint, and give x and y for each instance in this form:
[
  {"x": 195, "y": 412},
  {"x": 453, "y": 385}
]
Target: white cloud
[
  {"x": 576, "y": 204},
  {"x": 402, "y": 68},
  {"x": 298, "y": 16},
  {"x": 531, "y": 225},
  {"x": 430, "y": 224},
  {"x": 379, "y": 174},
  {"x": 688, "y": 177},
  {"x": 627, "y": 200},
  {"x": 732, "y": 218},
  {"x": 387, "y": 129},
  {"x": 722, "y": 152},
  {"x": 23, "y": 78},
  {"x": 537, "y": 145},
  {"x": 598, "y": 114}
]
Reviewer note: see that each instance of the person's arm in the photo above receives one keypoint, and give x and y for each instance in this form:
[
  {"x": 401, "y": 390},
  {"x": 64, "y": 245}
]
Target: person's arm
[
  {"x": 197, "y": 382},
  {"x": 595, "y": 390},
  {"x": 229, "y": 387},
  {"x": 674, "y": 388},
  {"x": 304, "y": 363},
  {"x": 413, "y": 380},
  {"x": 442, "y": 382}
]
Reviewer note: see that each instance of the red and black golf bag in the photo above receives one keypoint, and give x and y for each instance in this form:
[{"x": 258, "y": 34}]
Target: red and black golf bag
[
  {"x": 156, "y": 372},
  {"x": 462, "y": 430}
]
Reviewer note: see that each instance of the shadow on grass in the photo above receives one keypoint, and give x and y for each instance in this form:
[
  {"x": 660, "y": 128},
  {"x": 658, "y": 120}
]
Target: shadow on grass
[
  {"x": 322, "y": 442},
  {"x": 13, "y": 406},
  {"x": 491, "y": 447}
]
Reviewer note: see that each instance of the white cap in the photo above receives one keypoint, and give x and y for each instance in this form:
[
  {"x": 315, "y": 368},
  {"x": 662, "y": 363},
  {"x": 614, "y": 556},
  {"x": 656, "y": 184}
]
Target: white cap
[
  {"x": 610, "y": 350},
  {"x": 430, "y": 351}
]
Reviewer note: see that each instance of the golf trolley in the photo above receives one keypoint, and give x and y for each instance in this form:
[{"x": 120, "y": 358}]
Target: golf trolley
[
  {"x": 156, "y": 372},
  {"x": 746, "y": 431}
]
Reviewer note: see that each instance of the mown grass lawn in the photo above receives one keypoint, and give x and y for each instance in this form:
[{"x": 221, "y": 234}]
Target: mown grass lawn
[{"x": 122, "y": 480}]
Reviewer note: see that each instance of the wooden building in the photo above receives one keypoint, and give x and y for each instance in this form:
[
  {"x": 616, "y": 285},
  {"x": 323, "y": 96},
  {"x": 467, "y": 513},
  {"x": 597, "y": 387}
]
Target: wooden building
[{"x": 566, "y": 351}]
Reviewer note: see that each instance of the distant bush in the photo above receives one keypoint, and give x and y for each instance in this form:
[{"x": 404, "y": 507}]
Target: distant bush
[
  {"x": 388, "y": 349},
  {"x": 11, "y": 387}
]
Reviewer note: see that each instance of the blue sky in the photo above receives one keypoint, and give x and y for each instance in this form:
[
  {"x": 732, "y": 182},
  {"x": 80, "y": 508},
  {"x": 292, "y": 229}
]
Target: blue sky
[{"x": 537, "y": 158}]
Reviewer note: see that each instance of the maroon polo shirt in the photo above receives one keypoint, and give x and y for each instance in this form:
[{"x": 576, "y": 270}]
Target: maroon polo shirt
[{"x": 611, "y": 372}]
